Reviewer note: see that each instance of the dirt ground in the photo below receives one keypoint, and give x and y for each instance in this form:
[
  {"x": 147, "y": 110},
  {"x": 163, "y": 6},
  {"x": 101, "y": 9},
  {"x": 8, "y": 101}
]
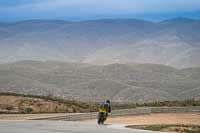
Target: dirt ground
[
  {"x": 167, "y": 118},
  {"x": 171, "y": 118}
]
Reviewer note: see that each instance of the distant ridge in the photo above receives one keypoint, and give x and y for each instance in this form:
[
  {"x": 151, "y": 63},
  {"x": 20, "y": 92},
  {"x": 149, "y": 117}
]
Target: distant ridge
[
  {"x": 101, "y": 19},
  {"x": 180, "y": 19},
  {"x": 174, "y": 42}
]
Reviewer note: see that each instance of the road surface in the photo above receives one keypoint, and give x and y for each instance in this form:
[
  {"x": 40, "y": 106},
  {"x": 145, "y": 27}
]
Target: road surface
[{"x": 62, "y": 127}]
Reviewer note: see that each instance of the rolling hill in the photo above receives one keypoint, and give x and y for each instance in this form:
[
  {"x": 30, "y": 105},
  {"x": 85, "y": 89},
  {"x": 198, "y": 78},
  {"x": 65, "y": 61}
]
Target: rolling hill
[{"x": 118, "y": 82}]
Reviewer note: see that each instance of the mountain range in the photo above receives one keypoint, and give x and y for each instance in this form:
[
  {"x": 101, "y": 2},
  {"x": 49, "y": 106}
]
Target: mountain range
[
  {"x": 125, "y": 60},
  {"x": 174, "y": 42}
]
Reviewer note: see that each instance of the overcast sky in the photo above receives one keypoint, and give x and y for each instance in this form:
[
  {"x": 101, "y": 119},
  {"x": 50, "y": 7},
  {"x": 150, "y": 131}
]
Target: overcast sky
[{"x": 17, "y": 10}]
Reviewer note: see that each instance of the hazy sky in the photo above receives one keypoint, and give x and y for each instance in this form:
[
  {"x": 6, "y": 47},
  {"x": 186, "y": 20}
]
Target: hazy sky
[{"x": 16, "y": 10}]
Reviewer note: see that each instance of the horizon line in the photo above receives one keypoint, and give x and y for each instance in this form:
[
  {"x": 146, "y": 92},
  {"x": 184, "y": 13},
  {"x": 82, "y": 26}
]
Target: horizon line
[{"x": 98, "y": 19}]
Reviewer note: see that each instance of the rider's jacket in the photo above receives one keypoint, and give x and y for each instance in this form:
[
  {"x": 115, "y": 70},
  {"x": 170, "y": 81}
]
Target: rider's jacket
[{"x": 102, "y": 110}]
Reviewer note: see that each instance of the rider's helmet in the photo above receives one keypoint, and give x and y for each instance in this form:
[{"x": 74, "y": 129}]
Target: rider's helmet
[{"x": 108, "y": 101}]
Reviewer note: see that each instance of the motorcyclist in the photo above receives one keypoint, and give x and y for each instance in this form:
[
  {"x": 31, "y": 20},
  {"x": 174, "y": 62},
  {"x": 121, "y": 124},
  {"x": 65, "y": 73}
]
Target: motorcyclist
[
  {"x": 103, "y": 112},
  {"x": 106, "y": 107}
]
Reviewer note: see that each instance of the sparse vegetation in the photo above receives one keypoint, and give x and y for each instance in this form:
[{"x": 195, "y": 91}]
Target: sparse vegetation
[
  {"x": 41, "y": 104},
  {"x": 184, "y": 103},
  {"x": 51, "y": 98},
  {"x": 9, "y": 107},
  {"x": 28, "y": 110},
  {"x": 47, "y": 104}
]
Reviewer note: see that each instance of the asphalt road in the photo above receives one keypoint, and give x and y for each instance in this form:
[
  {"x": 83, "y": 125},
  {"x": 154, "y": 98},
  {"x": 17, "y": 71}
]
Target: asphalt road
[{"x": 62, "y": 127}]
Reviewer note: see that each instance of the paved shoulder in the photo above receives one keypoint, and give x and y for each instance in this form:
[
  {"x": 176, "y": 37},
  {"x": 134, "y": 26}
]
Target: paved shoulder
[{"x": 61, "y": 127}]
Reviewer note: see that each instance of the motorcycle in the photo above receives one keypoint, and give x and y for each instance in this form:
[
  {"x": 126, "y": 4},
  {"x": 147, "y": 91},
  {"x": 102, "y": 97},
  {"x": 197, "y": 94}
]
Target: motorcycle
[{"x": 102, "y": 116}]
